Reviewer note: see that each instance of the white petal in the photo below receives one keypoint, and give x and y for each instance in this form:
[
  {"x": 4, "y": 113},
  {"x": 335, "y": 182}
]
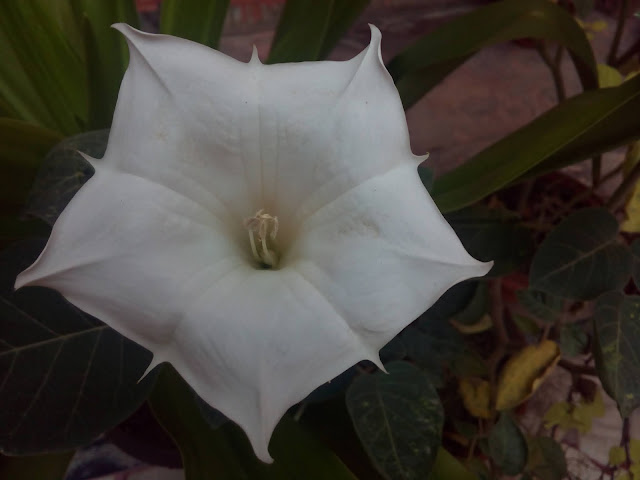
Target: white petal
[
  {"x": 381, "y": 254},
  {"x": 239, "y": 137},
  {"x": 134, "y": 254},
  {"x": 259, "y": 342}
]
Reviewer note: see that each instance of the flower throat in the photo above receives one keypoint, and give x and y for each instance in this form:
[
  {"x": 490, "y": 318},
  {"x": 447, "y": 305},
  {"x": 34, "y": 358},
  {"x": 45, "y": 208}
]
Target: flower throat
[{"x": 263, "y": 229}]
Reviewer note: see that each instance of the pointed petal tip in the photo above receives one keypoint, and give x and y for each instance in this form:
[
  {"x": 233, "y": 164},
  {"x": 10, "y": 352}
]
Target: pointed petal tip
[
  {"x": 376, "y": 35},
  {"x": 92, "y": 161},
  {"x": 21, "y": 281},
  {"x": 254, "y": 56},
  {"x": 155, "y": 361}
]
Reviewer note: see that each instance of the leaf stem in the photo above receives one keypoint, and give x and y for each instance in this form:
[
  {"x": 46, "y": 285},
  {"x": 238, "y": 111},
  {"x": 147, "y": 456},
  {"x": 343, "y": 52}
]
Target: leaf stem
[
  {"x": 554, "y": 68},
  {"x": 619, "y": 195},
  {"x": 615, "y": 44},
  {"x": 630, "y": 52}
]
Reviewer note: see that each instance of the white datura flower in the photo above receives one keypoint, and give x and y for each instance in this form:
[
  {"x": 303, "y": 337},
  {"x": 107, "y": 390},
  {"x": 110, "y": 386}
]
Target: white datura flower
[{"x": 260, "y": 227}]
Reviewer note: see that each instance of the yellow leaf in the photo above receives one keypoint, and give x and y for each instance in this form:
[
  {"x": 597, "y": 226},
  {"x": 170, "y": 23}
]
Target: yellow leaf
[
  {"x": 525, "y": 372},
  {"x": 559, "y": 414},
  {"x": 608, "y": 76},
  {"x": 634, "y": 450},
  {"x": 567, "y": 416},
  {"x": 635, "y": 471},
  {"x": 623, "y": 476},
  {"x": 598, "y": 26},
  {"x": 482, "y": 325},
  {"x": 632, "y": 210},
  {"x": 476, "y": 396},
  {"x": 617, "y": 456}
]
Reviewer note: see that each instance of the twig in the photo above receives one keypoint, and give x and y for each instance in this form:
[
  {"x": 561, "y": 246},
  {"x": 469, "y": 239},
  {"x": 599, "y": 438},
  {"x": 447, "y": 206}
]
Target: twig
[
  {"x": 620, "y": 194},
  {"x": 554, "y": 68},
  {"x": 577, "y": 369},
  {"x": 630, "y": 52},
  {"x": 622, "y": 19}
]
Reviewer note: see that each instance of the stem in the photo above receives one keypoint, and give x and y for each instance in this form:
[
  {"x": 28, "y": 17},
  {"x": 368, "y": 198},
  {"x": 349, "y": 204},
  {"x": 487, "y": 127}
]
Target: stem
[
  {"x": 554, "y": 68},
  {"x": 576, "y": 369},
  {"x": 620, "y": 194},
  {"x": 596, "y": 170},
  {"x": 622, "y": 19},
  {"x": 630, "y": 52},
  {"x": 497, "y": 311}
]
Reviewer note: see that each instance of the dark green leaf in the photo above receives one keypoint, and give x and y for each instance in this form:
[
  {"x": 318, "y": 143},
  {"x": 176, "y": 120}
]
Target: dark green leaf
[
  {"x": 426, "y": 176},
  {"x": 212, "y": 416},
  {"x": 546, "y": 459},
  {"x": 41, "y": 76},
  {"x": 447, "y": 467},
  {"x": 197, "y": 20},
  {"x": 573, "y": 340},
  {"x": 635, "y": 269},
  {"x": 65, "y": 377},
  {"x": 22, "y": 149},
  {"x": 225, "y": 452},
  {"x": 394, "y": 350},
  {"x": 476, "y": 308},
  {"x": 308, "y": 29},
  {"x": 399, "y": 419},
  {"x": 582, "y": 257},
  {"x": 617, "y": 335},
  {"x": 541, "y": 305},
  {"x": 62, "y": 174},
  {"x": 51, "y": 466},
  {"x": 106, "y": 55},
  {"x": 492, "y": 235},
  {"x": 452, "y": 302},
  {"x": 584, "y": 7},
  {"x": 434, "y": 347},
  {"x": 507, "y": 445},
  {"x": 424, "y": 64},
  {"x": 585, "y": 125}
]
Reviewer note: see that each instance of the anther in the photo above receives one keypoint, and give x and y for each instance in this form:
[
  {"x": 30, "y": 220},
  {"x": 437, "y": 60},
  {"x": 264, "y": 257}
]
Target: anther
[{"x": 266, "y": 228}]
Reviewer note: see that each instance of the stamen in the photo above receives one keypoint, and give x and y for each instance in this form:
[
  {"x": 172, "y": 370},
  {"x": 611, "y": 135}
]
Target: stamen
[{"x": 266, "y": 227}]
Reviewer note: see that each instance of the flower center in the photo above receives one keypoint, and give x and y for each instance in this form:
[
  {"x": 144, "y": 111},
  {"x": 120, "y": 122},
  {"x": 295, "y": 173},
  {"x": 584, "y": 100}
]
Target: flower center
[{"x": 263, "y": 229}]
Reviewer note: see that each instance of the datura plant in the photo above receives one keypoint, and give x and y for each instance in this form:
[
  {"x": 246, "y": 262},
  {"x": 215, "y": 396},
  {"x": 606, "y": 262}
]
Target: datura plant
[{"x": 260, "y": 227}]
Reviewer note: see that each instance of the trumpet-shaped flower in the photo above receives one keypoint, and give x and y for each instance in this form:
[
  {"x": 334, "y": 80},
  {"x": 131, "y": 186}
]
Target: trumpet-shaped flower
[{"x": 260, "y": 227}]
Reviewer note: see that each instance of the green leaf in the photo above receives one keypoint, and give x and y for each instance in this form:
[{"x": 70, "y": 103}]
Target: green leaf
[
  {"x": 585, "y": 125},
  {"x": 635, "y": 269},
  {"x": 447, "y": 467},
  {"x": 51, "y": 466},
  {"x": 541, "y": 305},
  {"x": 399, "y": 419},
  {"x": 617, "y": 336},
  {"x": 424, "y": 64},
  {"x": 62, "y": 174},
  {"x": 225, "y": 452},
  {"x": 197, "y": 20},
  {"x": 42, "y": 77},
  {"x": 507, "y": 445},
  {"x": 65, "y": 377},
  {"x": 492, "y": 235},
  {"x": 546, "y": 459},
  {"x": 106, "y": 55},
  {"x": 426, "y": 176},
  {"x": 477, "y": 307},
  {"x": 573, "y": 340},
  {"x": 308, "y": 29},
  {"x": 22, "y": 148},
  {"x": 582, "y": 258}
]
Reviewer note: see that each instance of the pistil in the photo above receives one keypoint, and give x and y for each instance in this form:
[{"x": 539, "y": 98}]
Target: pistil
[{"x": 265, "y": 227}]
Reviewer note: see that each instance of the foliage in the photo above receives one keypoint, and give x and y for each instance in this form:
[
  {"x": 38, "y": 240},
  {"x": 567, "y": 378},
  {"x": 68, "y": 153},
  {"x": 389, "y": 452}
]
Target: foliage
[{"x": 444, "y": 409}]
